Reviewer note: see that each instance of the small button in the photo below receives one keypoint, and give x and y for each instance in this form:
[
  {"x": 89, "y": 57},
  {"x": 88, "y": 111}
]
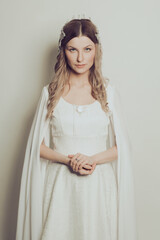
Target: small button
[{"x": 79, "y": 108}]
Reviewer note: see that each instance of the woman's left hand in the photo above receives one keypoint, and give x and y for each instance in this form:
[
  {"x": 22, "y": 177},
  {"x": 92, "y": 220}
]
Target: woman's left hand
[{"x": 83, "y": 161}]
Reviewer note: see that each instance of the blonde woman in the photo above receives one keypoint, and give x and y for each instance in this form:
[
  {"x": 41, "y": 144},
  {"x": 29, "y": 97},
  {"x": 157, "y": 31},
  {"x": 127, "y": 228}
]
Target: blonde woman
[{"x": 77, "y": 181}]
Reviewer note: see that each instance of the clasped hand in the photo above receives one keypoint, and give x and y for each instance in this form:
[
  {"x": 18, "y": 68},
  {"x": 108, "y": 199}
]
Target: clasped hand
[{"x": 83, "y": 166}]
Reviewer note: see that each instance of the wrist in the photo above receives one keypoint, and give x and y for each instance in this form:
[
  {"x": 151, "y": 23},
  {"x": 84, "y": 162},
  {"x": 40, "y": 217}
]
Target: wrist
[
  {"x": 93, "y": 158},
  {"x": 65, "y": 160}
]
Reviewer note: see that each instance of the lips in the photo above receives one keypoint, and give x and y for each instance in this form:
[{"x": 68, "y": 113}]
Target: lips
[{"x": 80, "y": 65}]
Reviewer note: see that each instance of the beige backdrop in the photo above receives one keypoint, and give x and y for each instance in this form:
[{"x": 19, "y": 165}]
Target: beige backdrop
[{"x": 129, "y": 32}]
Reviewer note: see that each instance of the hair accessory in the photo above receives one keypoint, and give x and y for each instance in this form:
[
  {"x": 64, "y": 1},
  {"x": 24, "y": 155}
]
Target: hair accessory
[
  {"x": 97, "y": 36},
  {"x": 62, "y": 35},
  {"x": 80, "y": 16}
]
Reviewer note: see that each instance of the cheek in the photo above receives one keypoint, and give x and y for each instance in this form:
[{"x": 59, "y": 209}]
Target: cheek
[
  {"x": 70, "y": 58},
  {"x": 91, "y": 57}
]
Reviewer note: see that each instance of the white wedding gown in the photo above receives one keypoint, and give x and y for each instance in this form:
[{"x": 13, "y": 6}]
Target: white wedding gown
[{"x": 79, "y": 207}]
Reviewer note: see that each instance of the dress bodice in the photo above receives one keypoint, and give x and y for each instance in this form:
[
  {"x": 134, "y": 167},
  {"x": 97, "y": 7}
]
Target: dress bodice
[{"x": 79, "y": 128}]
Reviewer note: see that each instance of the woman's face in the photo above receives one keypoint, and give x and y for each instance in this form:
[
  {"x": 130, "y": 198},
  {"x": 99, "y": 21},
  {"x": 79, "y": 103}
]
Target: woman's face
[{"x": 80, "y": 51}]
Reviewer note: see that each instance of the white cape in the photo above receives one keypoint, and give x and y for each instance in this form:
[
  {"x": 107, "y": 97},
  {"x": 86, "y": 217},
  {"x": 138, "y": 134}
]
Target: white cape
[{"x": 30, "y": 217}]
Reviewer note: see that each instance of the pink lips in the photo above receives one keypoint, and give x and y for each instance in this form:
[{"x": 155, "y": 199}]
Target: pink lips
[{"x": 80, "y": 65}]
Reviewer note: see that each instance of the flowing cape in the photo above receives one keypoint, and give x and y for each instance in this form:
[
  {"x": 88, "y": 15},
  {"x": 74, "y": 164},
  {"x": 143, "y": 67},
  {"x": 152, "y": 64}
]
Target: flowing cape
[
  {"x": 118, "y": 135},
  {"x": 30, "y": 210}
]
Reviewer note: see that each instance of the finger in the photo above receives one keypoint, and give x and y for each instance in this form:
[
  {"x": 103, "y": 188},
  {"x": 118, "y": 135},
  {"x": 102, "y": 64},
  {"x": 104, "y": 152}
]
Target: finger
[
  {"x": 79, "y": 163},
  {"x": 77, "y": 155},
  {"x": 86, "y": 161},
  {"x": 70, "y": 155},
  {"x": 87, "y": 167},
  {"x": 83, "y": 172},
  {"x": 91, "y": 170},
  {"x": 84, "y": 164},
  {"x": 72, "y": 161},
  {"x": 75, "y": 165},
  {"x": 75, "y": 162}
]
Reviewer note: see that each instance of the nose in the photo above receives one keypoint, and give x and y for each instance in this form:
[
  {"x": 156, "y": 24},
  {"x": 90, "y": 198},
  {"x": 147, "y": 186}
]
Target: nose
[{"x": 80, "y": 56}]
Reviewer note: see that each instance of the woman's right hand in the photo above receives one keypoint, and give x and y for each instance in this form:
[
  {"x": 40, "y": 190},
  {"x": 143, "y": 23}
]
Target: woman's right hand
[{"x": 85, "y": 170}]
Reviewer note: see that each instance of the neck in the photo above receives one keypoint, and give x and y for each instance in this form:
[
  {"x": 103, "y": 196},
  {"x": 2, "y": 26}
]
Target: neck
[{"x": 78, "y": 79}]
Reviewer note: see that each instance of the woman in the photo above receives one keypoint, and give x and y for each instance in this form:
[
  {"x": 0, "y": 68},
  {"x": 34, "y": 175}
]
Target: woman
[{"x": 77, "y": 180}]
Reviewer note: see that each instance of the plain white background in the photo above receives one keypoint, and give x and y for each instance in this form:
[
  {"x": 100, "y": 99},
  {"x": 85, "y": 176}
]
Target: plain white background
[{"x": 129, "y": 32}]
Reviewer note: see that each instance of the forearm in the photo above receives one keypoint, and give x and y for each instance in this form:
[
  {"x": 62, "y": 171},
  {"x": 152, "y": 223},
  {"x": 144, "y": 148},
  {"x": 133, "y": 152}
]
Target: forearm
[
  {"x": 110, "y": 154},
  {"x": 50, "y": 154}
]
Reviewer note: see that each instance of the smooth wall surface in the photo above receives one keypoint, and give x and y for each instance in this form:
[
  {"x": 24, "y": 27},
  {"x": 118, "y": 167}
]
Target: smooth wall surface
[{"x": 129, "y": 32}]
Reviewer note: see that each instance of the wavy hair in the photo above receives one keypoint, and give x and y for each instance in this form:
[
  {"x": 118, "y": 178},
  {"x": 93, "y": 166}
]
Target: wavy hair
[{"x": 76, "y": 28}]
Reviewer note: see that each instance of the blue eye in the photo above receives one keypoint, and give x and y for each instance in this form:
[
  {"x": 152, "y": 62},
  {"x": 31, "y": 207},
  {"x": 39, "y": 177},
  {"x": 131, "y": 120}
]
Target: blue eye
[
  {"x": 71, "y": 49},
  {"x": 88, "y": 48}
]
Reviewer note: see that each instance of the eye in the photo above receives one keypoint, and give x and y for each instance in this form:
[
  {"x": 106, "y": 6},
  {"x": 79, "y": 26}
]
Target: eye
[
  {"x": 89, "y": 49},
  {"x": 71, "y": 49}
]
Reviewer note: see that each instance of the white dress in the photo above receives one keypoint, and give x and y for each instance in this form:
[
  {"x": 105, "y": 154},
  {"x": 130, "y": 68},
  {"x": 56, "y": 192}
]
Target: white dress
[
  {"x": 54, "y": 202},
  {"x": 79, "y": 207}
]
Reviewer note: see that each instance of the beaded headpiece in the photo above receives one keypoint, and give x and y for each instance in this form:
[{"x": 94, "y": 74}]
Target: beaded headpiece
[{"x": 62, "y": 34}]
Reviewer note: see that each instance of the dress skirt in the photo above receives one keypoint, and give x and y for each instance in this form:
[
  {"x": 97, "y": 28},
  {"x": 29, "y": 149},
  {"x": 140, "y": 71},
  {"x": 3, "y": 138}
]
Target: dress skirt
[{"x": 80, "y": 207}]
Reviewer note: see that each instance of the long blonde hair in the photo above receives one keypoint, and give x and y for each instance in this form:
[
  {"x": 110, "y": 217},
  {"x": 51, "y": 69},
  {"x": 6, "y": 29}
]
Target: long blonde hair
[{"x": 71, "y": 29}]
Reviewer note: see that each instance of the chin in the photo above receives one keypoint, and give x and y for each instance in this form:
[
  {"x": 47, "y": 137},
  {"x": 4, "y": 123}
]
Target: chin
[{"x": 81, "y": 71}]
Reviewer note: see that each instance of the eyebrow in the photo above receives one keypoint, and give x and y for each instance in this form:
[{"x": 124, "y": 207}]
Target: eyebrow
[{"x": 84, "y": 47}]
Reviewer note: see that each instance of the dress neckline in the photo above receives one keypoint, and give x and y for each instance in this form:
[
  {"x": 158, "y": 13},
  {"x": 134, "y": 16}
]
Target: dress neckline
[{"x": 84, "y": 105}]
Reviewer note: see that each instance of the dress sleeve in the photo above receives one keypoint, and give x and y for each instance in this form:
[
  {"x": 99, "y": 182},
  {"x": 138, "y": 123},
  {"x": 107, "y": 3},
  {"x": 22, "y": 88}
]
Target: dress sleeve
[
  {"x": 30, "y": 209},
  {"x": 123, "y": 167}
]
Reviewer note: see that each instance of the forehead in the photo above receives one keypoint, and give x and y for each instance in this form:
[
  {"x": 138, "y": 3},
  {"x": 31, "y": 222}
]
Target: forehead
[{"x": 80, "y": 41}]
